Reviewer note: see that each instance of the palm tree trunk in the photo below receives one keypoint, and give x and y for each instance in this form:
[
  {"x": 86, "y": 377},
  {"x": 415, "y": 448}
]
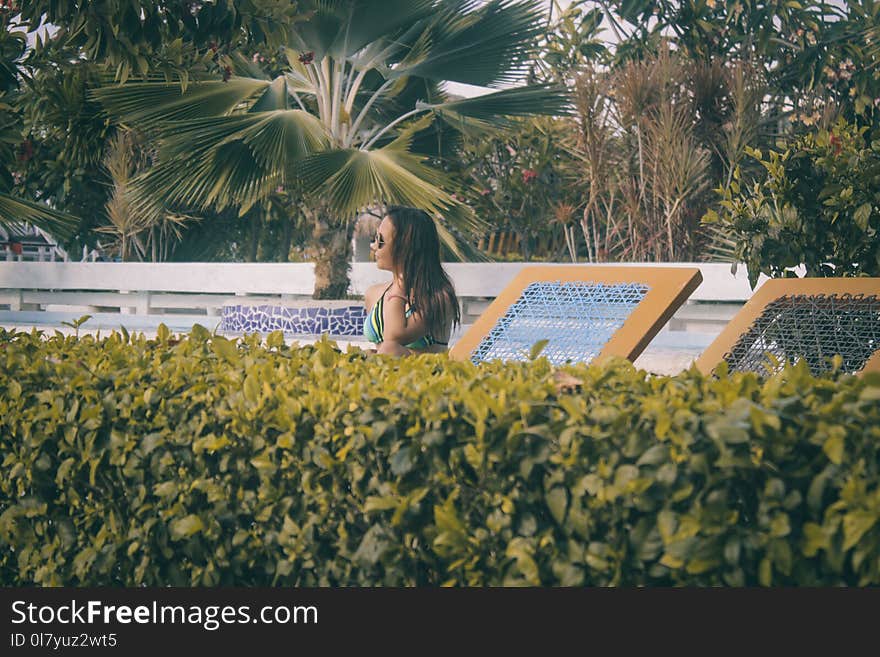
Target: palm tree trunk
[{"x": 331, "y": 253}]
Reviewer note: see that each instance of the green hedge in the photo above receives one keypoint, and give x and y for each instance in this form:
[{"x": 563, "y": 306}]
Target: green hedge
[{"x": 199, "y": 461}]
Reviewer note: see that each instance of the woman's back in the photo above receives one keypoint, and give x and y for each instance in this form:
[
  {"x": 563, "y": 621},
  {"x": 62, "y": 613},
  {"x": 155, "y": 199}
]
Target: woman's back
[
  {"x": 374, "y": 303},
  {"x": 418, "y": 309}
]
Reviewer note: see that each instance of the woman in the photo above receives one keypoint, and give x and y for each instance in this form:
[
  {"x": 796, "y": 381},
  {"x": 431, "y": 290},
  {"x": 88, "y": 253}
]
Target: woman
[{"x": 416, "y": 312}]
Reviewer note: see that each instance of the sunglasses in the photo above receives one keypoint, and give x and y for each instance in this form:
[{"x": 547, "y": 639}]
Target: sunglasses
[{"x": 379, "y": 241}]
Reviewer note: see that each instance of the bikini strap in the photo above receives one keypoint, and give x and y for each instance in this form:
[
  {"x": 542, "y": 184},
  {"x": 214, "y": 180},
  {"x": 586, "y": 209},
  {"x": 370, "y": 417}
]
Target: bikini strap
[{"x": 393, "y": 296}]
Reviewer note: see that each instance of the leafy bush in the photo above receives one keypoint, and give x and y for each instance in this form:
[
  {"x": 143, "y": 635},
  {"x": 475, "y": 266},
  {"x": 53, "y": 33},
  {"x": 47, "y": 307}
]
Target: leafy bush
[
  {"x": 198, "y": 460},
  {"x": 518, "y": 180},
  {"x": 819, "y": 205}
]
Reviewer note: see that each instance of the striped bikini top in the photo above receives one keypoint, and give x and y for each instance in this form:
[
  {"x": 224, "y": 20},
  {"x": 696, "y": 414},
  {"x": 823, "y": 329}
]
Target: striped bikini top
[{"x": 374, "y": 324}]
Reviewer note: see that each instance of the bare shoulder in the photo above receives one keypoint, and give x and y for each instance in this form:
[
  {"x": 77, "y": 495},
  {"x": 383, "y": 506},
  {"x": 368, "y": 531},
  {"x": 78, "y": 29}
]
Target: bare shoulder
[{"x": 372, "y": 294}]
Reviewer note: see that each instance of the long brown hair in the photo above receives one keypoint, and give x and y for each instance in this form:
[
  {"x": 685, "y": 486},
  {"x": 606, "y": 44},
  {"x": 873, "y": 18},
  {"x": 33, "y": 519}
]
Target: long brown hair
[{"x": 415, "y": 251}]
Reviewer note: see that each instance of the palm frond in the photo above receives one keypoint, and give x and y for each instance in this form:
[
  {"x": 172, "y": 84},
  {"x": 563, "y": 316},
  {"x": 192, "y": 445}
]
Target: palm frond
[
  {"x": 235, "y": 160},
  {"x": 281, "y": 138},
  {"x": 385, "y": 52},
  {"x": 317, "y": 34},
  {"x": 523, "y": 101},
  {"x": 351, "y": 179},
  {"x": 242, "y": 66},
  {"x": 403, "y": 140},
  {"x": 399, "y": 98},
  {"x": 148, "y": 104},
  {"x": 368, "y": 21},
  {"x": 274, "y": 98},
  {"x": 486, "y": 45},
  {"x": 226, "y": 176},
  {"x": 16, "y": 210}
]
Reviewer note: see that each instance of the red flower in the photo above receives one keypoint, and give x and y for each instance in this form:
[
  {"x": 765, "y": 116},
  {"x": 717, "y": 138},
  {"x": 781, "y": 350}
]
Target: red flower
[
  {"x": 25, "y": 150},
  {"x": 835, "y": 144},
  {"x": 307, "y": 58},
  {"x": 528, "y": 175}
]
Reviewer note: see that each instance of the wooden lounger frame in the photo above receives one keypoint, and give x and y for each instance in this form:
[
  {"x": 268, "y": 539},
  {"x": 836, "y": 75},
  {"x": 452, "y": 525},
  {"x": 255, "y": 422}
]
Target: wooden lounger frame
[
  {"x": 774, "y": 289},
  {"x": 668, "y": 288}
]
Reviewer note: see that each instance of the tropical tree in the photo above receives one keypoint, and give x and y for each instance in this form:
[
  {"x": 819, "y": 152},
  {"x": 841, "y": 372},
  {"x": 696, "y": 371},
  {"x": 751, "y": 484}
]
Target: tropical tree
[
  {"x": 816, "y": 207},
  {"x": 137, "y": 37},
  {"x": 15, "y": 209},
  {"x": 349, "y": 121},
  {"x": 76, "y": 44},
  {"x": 63, "y": 137},
  {"x": 518, "y": 179}
]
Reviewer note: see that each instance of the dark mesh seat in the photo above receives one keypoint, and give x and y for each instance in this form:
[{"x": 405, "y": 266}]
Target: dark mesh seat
[{"x": 812, "y": 329}]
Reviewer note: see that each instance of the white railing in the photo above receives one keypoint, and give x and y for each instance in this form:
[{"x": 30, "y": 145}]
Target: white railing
[{"x": 152, "y": 292}]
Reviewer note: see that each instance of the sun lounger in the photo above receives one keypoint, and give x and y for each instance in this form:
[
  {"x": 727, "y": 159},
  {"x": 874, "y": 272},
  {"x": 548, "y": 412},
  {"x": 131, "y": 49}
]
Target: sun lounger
[
  {"x": 586, "y": 313},
  {"x": 802, "y": 319}
]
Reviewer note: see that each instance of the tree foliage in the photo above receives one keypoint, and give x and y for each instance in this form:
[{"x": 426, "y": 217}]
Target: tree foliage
[
  {"x": 14, "y": 208},
  {"x": 80, "y": 43},
  {"x": 146, "y": 36},
  {"x": 519, "y": 179},
  {"x": 655, "y": 132},
  {"x": 817, "y": 206},
  {"x": 350, "y": 119}
]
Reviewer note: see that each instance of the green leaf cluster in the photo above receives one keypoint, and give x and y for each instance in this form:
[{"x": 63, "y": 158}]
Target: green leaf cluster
[
  {"x": 138, "y": 37},
  {"x": 15, "y": 209},
  {"x": 818, "y": 205},
  {"x": 198, "y": 460},
  {"x": 518, "y": 180}
]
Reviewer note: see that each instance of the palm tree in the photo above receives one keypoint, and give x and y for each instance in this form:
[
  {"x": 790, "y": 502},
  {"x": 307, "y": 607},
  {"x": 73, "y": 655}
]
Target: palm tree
[{"x": 351, "y": 119}]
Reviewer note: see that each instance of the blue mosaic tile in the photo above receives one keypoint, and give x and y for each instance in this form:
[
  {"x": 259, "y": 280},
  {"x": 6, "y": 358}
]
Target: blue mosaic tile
[{"x": 308, "y": 320}]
